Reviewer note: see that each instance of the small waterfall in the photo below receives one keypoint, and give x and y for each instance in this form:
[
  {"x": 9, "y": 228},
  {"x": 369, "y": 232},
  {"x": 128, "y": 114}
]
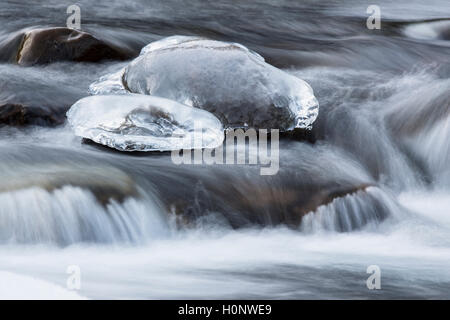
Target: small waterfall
[
  {"x": 71, "y": 214},
  {"x": 351, "y": 212}
]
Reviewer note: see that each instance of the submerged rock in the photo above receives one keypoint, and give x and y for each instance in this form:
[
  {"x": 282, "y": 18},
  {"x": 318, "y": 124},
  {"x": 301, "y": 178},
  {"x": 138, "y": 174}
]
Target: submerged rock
[
  {"x": 17, "y": 114},
  {"x": 40, "y": 46},
  {"x": 286, "y": 199},
  {"x": 105, "y": 182},
  {"x": 314, "y": 185},
  {"x": 39, "y": 96},
  {"x": 143, "y": 123},
  {"x": 227, "y": 79},
  {"x": 9, "y": 47}
]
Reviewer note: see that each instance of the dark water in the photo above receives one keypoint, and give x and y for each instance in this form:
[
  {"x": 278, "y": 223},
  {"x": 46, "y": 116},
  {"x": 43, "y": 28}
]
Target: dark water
[{"x": 141, "y": 227}]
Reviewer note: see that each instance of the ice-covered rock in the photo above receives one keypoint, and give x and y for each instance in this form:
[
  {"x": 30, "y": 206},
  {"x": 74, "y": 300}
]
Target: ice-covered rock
[
  {"x": 227, "y": 79},
  {"x": 144, "y": 123},
  {"x": 109, "y": 84}
]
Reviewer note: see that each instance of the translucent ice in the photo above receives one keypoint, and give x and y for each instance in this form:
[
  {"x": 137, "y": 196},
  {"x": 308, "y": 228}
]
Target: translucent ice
[
  {"x": 227, "y": 79},
  {"x": 109, "y": 84},
  {"x": 144, "y": 123}
]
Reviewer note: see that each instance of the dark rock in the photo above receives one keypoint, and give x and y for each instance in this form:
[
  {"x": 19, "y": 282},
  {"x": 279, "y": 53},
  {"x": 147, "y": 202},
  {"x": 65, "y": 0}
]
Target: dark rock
[
  {"x": 265, "y": 206},
  {"x": 20, "y": 115},
  {"x": 245, "y": 200},
  {"x": 10, "y": 46},
  {"x": 298, "y": 134},
  {"x": 41, "y": 46}
]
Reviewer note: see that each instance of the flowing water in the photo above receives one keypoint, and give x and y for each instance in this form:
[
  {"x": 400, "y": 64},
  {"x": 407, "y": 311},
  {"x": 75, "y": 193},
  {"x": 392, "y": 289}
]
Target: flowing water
[{"x": 139, "y": 226}]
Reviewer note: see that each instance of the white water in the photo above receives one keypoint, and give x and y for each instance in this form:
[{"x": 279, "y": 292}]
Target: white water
[
  {"x": 412, "y": 248},
  {"x": 370, "y": 83},
  {"x": 266, "y": 264},
  {"x": 130, "y": 249},
  {"x": 13, "y": 287},
  {"x": 71, "y": 215}
]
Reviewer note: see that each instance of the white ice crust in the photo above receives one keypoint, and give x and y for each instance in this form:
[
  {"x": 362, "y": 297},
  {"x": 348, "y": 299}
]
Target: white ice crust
[
  {"x": 226, "y": 79},
  {"x": 144, "y": 123}
]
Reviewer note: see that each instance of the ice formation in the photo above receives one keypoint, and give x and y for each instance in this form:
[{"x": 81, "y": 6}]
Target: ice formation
[
  {"x": 144, "y": 123},
  {"x": 227, "y": 79}
]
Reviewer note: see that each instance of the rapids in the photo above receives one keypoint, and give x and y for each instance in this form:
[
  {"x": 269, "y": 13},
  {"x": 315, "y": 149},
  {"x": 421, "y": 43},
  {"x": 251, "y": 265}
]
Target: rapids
[{"x": 372, "y": 185}]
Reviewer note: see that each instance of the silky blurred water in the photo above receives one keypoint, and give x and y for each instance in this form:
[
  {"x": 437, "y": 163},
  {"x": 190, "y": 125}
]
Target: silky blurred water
[{"x": 384, "y": 122}]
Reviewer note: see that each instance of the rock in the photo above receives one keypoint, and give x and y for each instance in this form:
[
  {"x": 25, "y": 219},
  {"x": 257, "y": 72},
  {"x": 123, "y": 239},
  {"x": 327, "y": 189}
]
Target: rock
[
  {"x": 41, "y": 46},
  {"x": 144, "y": 123},
  {"x": 13, "y": 114},
  {"x": 226, "y": 79},
  {"x": 260, "y": 203},
  {"x": 236, "y": 195},
  {"x": 9, "y": 47},
  {"x": 31, "y": 96},
  {"x": 53, "y": 168},
  {"x": 105, "y": 182}
]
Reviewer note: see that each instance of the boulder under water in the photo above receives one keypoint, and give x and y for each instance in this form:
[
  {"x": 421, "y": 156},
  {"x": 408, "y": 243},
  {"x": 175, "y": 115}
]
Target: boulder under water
[
  {"x": 113, "y": 197},
  {"x": 42, "y": 95}
]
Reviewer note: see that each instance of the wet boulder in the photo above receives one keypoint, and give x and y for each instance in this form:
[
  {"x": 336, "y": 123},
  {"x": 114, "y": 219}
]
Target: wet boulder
[
  {"x": 311, "y": 180},
  {"x": 15, "y": 114},
  {"x": 42, "y": 96},
  {"x": 41, "y": 46},
  {"x": 9, "y": 46},
  {"x": 226, "y": 79},
  {"x": 283, "y": 200}
]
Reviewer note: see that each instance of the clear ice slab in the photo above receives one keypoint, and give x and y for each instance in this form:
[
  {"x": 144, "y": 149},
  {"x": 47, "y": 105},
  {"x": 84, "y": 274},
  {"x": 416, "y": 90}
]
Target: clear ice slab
[
  {"x": 226, "y": 79},
  {"x": 144, "y": 123}
]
